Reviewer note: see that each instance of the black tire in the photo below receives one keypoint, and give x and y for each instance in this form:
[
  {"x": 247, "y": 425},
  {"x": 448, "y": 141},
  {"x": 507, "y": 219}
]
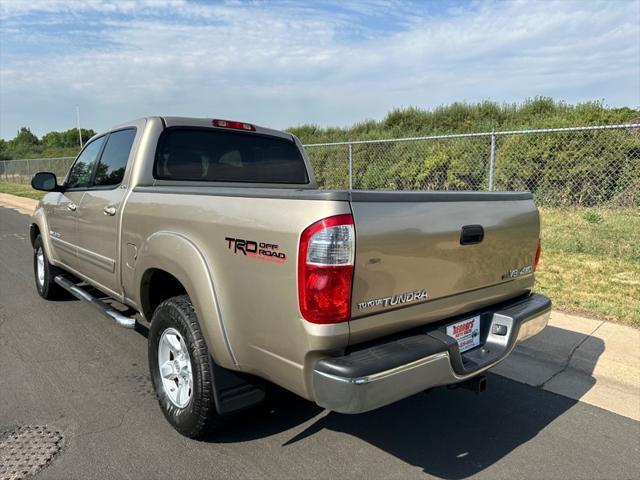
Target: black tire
[
  {"x": 199, "y": 416},
  {"x": 47, "y": 288}
]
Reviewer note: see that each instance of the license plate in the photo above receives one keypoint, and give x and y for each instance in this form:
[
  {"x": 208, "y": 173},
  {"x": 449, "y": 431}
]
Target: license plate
[{"x": 466, "y": 333}]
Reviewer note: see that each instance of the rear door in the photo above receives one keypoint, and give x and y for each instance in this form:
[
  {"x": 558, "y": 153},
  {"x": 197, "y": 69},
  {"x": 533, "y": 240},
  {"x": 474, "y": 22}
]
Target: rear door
[
  {"x": 100, "y": 210},
  {"x": 62, "y": 217}
]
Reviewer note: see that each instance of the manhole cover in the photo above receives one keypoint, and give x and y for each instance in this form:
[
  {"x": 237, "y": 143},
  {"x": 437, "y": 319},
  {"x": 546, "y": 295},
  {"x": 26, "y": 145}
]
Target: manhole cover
[{"x": 26, "y": 450}]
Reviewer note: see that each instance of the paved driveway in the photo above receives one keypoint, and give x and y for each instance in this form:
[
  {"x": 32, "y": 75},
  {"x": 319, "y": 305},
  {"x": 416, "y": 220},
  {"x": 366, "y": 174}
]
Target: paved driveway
[{"x": 64, "y": 365}]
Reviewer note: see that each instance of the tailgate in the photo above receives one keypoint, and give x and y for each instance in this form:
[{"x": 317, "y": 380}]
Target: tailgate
[{"x": 413, "y": 248}]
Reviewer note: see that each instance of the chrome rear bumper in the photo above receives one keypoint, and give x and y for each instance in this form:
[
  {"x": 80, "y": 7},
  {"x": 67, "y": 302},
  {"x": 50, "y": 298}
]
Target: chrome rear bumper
[{"x": 386, "y": 372}]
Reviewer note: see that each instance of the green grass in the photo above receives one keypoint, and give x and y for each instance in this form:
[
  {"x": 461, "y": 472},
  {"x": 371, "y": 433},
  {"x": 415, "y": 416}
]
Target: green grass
[
  {"x": 590, "y": 259},
  {"x": 21, "y": 190},
  {"x": 591, "y": 262}
]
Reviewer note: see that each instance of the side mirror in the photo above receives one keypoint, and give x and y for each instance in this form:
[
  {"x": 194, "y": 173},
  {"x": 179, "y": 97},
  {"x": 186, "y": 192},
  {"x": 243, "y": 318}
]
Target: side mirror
[{"x": 45, "y": 181}]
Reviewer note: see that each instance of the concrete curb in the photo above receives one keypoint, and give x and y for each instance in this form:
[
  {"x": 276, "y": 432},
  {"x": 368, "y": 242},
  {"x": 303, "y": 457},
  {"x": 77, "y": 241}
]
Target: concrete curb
[
  {"x": 589, "y": 360},
  {"x": 593, "y": 361}
]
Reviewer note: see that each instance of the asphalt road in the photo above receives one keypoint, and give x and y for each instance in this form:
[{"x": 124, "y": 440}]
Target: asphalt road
[{"x": 62, "y": 364}]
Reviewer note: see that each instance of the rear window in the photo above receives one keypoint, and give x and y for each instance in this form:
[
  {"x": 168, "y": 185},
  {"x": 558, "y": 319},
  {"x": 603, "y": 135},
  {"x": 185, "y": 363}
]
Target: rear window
[
  {"x": 218, "y": 156},
  {"x": 113, "y": 161}
]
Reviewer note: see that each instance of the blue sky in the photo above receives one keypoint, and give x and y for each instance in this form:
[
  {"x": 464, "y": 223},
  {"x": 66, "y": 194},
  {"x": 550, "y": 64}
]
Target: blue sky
[{"x": 286, "y": 63}]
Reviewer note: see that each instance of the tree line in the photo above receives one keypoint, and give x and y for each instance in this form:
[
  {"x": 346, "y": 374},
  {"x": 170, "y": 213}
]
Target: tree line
[
  {"x": 570, "y": 168},
  {"x": 53, "y": 144},
  {"x": 576, "y": 168},
  {"x": 463, "y": 117},
  {"x": 458, "y": 117}
]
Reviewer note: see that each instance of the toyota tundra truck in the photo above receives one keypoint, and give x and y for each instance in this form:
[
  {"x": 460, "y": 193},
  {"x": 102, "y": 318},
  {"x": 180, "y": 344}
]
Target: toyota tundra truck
[{"x": 215, "y": 236}]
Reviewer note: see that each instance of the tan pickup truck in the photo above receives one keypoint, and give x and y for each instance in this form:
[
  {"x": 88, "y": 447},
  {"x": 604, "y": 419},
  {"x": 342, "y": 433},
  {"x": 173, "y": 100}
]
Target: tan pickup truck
[{"x": 217, "y": 234}]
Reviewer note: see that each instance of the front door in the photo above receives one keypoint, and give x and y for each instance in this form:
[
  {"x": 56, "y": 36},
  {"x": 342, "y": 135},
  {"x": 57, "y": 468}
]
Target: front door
[
  {"x": 63, "y": 232},
  {"x": 62, "y": 214},
  {"x": 100, "y": 210}
]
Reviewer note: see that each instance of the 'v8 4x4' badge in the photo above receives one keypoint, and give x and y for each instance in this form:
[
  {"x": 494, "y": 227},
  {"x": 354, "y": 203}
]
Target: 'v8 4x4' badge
[{"x": 517, "y": 272}]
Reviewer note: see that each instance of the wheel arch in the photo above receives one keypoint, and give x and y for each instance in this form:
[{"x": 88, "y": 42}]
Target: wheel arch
[
  {"x": 38, "y": 226},
  {"x": 170, "y": 263},
  {"x": 156, "y": 286}
]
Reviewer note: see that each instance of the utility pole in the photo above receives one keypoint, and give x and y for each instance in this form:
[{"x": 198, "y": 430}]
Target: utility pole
[{"x": 78, "y": 119}]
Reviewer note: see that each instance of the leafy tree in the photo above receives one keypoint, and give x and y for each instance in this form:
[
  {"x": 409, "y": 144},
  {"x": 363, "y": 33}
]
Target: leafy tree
[
  {"x": 53, "y": 144},
  {"x": 4, "y": 155},
  {"x": 25, "y": 137},
  {"x": 66, "y": 139}
]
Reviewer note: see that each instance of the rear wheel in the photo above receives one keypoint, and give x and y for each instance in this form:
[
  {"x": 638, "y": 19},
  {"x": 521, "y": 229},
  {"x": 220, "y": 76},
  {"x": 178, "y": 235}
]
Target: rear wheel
[
  {"x": 180, "y": 368},
  {"x": 45, "y": 273}
]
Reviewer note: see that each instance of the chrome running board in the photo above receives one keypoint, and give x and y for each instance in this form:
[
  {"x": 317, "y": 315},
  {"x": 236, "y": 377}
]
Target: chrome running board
[{"x": 113, "y": 314}]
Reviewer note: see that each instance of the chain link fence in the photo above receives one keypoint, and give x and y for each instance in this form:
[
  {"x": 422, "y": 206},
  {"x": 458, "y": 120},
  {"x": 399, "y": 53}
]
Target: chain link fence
[
  {"x": 21, "y": 171},
  {"x": 582, "y": 166}
]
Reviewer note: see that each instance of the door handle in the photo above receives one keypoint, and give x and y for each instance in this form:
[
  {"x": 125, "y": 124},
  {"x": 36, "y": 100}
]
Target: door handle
[
  {"x": 471, "y": 234},
  {"x": 72, "y": 207},
  {"x": 111, "y": 211}
]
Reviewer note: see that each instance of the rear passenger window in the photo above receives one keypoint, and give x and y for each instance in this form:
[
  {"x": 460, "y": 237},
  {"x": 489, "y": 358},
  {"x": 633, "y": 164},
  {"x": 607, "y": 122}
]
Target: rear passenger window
[
  {"x": 80, "y": 174},
  {"x": 217, "y": 156},
  {"x": 113, "y": 161}
]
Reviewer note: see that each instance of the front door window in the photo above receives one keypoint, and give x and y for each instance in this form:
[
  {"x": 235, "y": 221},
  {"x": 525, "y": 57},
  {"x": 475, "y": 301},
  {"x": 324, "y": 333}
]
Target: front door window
[{"x": 82, "y": 170}]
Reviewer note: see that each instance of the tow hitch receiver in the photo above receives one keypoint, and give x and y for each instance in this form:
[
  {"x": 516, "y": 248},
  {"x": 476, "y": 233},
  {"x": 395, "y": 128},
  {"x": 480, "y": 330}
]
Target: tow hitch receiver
[{"x": 477, "y": 384}]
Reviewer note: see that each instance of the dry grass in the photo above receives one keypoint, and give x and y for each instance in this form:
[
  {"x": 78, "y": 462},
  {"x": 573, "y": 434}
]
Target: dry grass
[
  {"x": 590, "y": 259},
  {"x": 21, "y": 190},
  {"x": 591, "y": 262}
]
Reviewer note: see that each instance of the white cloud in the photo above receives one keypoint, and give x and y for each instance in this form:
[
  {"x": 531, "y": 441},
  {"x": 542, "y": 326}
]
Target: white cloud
[
  {"x": 20, "y": 7},
  {"x": 289, "y": 63}
]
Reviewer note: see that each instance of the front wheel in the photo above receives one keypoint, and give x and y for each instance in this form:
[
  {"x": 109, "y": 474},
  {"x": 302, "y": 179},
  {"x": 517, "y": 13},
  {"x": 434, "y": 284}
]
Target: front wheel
[
  {"x": 180, "y": 368},
  {"x": 45, "y": 273}
]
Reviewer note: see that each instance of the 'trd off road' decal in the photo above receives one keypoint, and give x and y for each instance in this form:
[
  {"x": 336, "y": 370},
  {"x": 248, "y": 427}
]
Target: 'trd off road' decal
[{"x": 253, "y": 249}]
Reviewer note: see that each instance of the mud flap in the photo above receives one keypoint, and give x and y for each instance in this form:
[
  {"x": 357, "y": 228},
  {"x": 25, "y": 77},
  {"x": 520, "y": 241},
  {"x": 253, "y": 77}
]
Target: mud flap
[{"x": 235, "y": 391}]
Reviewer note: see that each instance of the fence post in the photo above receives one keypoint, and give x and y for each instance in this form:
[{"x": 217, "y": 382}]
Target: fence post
[
  {"x": 350, "y": 167},
  {"x": 492, "y": 159}
]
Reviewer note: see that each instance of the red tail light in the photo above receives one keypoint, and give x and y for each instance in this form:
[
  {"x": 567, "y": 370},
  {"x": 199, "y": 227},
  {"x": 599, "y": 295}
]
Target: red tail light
[
  {"x": 232, "y": 124},
  {"x": 325, "y": 270},
  {"x": 537, "y": 259}
]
